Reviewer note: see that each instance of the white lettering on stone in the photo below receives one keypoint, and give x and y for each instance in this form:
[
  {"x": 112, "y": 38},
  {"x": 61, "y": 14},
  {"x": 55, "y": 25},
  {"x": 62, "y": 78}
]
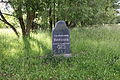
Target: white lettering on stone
[
  {"x": 61, "y": 46},
  {"x": 61, "y": 35},
  {"x": 61, "y": 39}
]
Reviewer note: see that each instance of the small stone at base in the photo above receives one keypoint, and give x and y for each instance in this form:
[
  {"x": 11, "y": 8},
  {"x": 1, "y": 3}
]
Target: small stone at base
[{"x": 65, "y": 55}]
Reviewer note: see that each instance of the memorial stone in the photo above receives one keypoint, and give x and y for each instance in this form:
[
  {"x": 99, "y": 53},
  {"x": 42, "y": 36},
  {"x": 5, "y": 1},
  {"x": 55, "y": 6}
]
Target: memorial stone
[{"x": 61, "y": 39}]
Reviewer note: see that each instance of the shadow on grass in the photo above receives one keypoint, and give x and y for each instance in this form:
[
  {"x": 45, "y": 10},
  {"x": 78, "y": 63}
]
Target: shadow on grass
[
  {"x": 28, "y": 51},
  {"x": 41, "y": 45},
  {"x": 19, "y": 65}
]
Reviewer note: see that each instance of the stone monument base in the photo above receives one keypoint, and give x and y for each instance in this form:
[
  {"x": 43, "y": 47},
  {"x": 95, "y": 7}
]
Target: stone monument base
[{"x": 64, "y": 55}]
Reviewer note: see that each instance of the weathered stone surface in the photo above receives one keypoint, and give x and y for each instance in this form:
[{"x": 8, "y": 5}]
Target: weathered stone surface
[{"x": 61, "y": 39}]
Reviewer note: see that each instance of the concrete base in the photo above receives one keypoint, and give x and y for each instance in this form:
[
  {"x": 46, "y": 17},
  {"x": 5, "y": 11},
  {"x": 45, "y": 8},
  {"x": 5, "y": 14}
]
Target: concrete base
[{"x": 64, "y": 55}]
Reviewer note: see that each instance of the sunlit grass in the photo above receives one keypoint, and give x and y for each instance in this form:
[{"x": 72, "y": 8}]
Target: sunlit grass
[{"x": 95, "y": 56}]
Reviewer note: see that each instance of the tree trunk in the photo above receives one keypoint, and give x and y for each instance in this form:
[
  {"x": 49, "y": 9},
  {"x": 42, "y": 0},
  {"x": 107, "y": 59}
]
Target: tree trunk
[
  {"x": 50, "y": 18},
  {"x": 30, "y": 18},
  {"x": 21, "y": 21},
  {"x": 20, "y": 18},
  {"x": 54, "y": 13}
]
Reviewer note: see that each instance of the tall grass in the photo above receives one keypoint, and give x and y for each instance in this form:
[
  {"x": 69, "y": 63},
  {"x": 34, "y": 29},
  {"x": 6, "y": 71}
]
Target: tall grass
[{"x": 95, "y": 56}]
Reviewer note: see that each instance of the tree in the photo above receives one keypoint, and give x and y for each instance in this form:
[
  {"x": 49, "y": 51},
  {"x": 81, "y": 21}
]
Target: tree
[
  {"x": 26, "y": 8},
  {"x": 74, "y": 12},
  {"x": 86, "y": 12}
]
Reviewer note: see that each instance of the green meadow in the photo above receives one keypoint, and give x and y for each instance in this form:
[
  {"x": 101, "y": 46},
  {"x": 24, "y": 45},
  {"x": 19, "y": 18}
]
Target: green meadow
[{"x": 95, "y": 55}]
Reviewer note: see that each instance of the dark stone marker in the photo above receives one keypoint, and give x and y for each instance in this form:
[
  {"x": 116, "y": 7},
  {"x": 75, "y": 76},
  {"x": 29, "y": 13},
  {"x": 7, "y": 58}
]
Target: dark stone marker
[{"x": 61, "y": 39}]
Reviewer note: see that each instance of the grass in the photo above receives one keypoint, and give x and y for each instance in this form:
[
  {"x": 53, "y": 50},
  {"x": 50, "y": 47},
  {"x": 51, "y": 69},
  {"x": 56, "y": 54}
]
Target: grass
[{"x": 96, "y": 56}]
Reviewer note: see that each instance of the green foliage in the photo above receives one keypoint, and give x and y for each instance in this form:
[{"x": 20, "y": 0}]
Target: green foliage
[
  {"x": 117, "y": 19},
  {"x": 95, "y": 56},
  {"x": 2, "y": 25},
  {"x": 86, "y": 11},
  {"x": 27, "y": 5},
  {"x": 80, "y": 12}
]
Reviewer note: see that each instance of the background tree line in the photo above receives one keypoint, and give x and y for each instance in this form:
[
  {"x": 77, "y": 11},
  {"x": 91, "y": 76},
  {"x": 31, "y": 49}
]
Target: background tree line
[{"x": 34, "y": 14}]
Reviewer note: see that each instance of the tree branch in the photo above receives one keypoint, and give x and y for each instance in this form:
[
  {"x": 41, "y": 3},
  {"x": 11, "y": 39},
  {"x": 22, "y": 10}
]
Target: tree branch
[
  {"x": 1, "y": 20},
  {"x": 9, "y": 14},
  {"x": 6, "y": 22}
]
